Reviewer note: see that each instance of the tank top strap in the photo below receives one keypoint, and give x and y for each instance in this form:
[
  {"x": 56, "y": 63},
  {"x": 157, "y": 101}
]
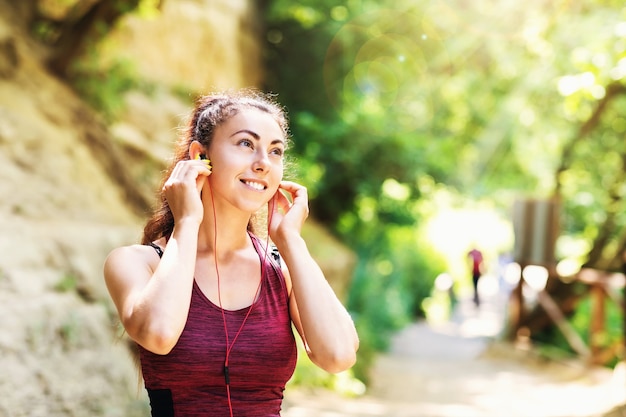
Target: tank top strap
[
  {"x": 157, "y": 248},
  {"x": 273, "y": 250},
  {"x": 269, "y": 254}
]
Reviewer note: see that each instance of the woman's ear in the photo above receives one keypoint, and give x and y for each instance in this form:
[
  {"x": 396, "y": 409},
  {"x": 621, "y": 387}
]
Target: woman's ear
[{"x": 196, "y": 150}]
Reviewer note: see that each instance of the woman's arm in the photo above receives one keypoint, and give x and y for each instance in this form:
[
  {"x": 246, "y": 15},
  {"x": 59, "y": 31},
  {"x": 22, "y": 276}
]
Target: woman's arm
[
  {"x": 152, "y": 295},
  {"x": 324, "y": 324}
]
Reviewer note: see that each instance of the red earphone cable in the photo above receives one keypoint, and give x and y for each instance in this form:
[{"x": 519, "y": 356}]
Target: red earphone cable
[{"x": 229, "y": 346}]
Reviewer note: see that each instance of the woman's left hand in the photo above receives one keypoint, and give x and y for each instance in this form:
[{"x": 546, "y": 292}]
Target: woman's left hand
[
  {"x": 287, "y": 215},
  {"x": 325, "y": 326}
]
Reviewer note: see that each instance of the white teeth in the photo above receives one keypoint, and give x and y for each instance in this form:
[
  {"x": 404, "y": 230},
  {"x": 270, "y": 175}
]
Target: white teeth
[{"x": 255, "y": 185}]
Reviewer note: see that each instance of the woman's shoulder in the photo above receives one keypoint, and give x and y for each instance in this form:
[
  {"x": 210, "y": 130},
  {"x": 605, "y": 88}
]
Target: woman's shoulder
[
  {"x": 132, "y": 263},
  {"x": 130, "y": 250},
  {"x": 135, "y": 253}
]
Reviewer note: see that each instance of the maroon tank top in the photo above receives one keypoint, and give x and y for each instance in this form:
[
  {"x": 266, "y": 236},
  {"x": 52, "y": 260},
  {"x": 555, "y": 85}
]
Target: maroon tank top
[{"x": 189, "y": 381}]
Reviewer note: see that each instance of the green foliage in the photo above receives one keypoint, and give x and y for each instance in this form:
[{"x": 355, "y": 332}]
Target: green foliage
[
  {"x": 367, "y": 117},
  {"x": 487, "y": 98},
  {"x": 68, "y": 331},
  {"x": 352, "y": 137},
  {"x": 388, "y": 288},
  {"x": 309, "y": 375},
  {"x": 360, "y": 162},
  {"x": 422, "y": 266},
  {"x": 612, "y": 333},
  {"x": 104, "y": 88},
  {"x": 67, "y": 283}
]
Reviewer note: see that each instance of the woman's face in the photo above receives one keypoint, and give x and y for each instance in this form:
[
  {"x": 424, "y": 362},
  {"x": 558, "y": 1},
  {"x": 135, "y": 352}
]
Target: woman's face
[{"x": 246, "y": 156}]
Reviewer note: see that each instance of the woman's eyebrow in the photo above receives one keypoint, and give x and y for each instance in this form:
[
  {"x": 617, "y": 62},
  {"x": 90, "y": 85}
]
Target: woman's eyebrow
[
  {"x": 249, "y": 132},
  {"x": 256, "y": 136}
]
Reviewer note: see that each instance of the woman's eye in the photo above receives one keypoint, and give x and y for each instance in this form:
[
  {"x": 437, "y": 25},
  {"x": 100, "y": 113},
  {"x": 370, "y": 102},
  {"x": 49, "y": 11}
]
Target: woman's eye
[
  {"x": 277, "y": 152},
  {"x": 246, "y": 142}
]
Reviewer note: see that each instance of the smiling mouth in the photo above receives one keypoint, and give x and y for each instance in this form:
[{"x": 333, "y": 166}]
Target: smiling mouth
[{"x": 256, "y": 185}]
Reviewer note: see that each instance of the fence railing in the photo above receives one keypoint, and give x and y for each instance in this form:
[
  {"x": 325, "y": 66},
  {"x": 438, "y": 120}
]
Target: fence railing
[{"x": 602, "y": 286}]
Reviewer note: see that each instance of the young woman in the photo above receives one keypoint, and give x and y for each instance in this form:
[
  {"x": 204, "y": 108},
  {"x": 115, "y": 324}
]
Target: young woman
[{"x": 209, "y": 304}]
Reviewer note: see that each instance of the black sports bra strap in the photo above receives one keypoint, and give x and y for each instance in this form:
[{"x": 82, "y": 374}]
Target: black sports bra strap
[
  {"x": 275, "y": 254},
  {"x": 157, "y": 248}
]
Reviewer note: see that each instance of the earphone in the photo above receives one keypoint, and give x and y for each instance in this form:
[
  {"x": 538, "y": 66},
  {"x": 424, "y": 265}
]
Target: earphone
[{"x": 202, "y": 157}]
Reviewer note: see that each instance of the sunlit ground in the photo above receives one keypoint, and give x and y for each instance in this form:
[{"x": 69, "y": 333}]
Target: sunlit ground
[{"x": 453, "y": 368}]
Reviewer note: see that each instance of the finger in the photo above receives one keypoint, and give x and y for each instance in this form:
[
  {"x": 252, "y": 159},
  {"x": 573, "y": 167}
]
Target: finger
[
  {"x": 298, "y": 193},
  {"x": 283, "y": 201},
  {"x": 182, "y": 168},
  {"x": 201, "y": 176},
  {"x": 195, "y": 169},
  {"x": 188, "y": 172},
  {"x": 203, "y": 164},
  {"x": 289, "y": 185},
  {"x": 290, "y": 188},
  {"x": 277, "y": 204},
  {"x": 172, "y": 179}
]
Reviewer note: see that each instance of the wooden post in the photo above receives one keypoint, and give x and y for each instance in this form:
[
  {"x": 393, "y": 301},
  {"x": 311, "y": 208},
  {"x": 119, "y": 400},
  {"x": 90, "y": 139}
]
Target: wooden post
[
  {"x": 536, "y": 228},
  {"x": 623, "y": 353},
  {"x": 568, "y": 331},
  {"x": 516, "y": 307},
  {"x": 598, "y": 316}
]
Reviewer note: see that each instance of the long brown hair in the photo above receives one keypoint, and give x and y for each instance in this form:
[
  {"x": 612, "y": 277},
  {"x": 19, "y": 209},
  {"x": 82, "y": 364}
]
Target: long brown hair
[{"x": 209, "y": 112}]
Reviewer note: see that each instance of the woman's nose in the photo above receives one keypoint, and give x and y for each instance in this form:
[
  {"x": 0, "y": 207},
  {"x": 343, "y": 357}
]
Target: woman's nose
[{"x": 261, "y": 162}]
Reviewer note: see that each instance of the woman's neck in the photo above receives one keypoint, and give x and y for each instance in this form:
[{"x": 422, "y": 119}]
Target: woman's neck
[{"x": 226, "y": 230}]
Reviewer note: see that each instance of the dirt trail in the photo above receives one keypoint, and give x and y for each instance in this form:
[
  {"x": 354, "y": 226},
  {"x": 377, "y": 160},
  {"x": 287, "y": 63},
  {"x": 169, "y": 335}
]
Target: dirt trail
[{"x": 459, "y": 369}]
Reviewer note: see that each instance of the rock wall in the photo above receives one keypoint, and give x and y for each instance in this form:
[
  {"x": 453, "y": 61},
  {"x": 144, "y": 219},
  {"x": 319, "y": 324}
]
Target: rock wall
[{"x": 194, "y": 44}]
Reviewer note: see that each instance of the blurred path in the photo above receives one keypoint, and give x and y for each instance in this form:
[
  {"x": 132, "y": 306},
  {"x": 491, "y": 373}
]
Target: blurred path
[{"x": 454, "y": 369}]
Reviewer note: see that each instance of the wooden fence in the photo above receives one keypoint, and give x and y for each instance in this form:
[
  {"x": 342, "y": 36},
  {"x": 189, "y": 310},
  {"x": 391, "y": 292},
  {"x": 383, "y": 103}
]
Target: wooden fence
[
  {"x": 602, "y": 287},
  {"x": 536, "y": 228}
]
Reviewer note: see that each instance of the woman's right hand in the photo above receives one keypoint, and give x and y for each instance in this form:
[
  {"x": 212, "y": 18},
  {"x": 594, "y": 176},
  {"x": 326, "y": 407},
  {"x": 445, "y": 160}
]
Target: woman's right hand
[{"x": 182, "y": 189}]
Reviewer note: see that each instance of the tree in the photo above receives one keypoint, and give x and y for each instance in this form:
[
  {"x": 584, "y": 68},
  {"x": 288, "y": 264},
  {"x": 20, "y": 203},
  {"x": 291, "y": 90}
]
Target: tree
[{"x": 494, "y": 100}]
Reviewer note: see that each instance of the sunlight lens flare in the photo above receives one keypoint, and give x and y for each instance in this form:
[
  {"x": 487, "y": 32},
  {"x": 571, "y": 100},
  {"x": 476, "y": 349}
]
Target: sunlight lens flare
[
  {"x": 535, "y": 276},
  {"x": 378, "y": 63}
]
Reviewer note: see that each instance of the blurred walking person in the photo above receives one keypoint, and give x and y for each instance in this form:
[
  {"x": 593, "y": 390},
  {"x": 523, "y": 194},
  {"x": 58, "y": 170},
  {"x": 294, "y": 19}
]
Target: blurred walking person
[{"x": 476, "y": 258}]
